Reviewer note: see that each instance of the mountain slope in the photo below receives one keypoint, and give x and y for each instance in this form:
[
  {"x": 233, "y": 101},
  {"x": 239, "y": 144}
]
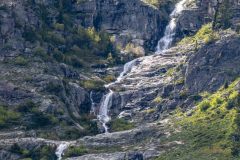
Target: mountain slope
[{"x": 54, "y": 62}]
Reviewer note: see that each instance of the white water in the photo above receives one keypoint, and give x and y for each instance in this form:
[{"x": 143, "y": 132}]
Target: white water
[
  {"x": 103, "y": 111},
  {"x": 103, "y": 116},
  {"x": 163, "y": 44},
  {"x": 127, "y": 67},
  {"x": 166, "y": 41},
  {"x": 93, "y": 109},
  {"x": 60, "y": 149}
]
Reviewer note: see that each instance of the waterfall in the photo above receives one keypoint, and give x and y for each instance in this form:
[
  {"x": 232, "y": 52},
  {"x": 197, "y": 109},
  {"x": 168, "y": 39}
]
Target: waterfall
[
  {"x": 60, "y": 149},
  {"x": 127, "y": 67},
  {"x": 166, "y": 41},
  {"x": 92, "y": 103},
  {"x": 107, "y": 99},
  {"x": 103, "y": 112}
]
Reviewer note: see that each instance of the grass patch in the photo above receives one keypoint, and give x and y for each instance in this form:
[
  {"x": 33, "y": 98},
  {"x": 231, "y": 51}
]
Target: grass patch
[
  {"x": 205, "y": 35},
  {"x": 212, "y": 131}
]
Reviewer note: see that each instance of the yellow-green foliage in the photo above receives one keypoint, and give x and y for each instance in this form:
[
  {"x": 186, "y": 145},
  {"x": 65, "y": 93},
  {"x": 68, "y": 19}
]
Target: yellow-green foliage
[
  {"x": 7, "y": 116},
  {"x": 20, "y": 60},
  {"x": 152, "y": 2},
  {"x": 59, "y": 26},
  {"x": 213, "y": 129},
  {"x": 157, "y": 100},
  {"x": 158, "y": 3},
  {"x": 120, "y": 124},
  {"x": 92, "y": 84},
  {"x": 171, "y": 71},
  {"x": 150, "y": 110},
  {"x": 204, "y": 35},
  {"x": 109, "y": 78},
  {"x": 134, "y": 50}
]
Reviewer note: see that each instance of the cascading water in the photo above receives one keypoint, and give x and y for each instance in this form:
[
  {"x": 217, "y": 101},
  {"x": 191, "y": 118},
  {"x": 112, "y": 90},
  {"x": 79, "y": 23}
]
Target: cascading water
[
  {"x": 163, "y": 44},
  {"x": 60, "y": 150},
  {"x": 103, "y": 112},
  {"x": 127, "y": 67},
  {"x": 166, "y": 41},
  {"x": 93, "y": 110},
  {"x": 107, "y": 99}
]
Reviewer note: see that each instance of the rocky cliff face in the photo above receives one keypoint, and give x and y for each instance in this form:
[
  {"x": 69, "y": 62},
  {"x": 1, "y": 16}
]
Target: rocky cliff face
[
  {"x": 38, "y": 66},
  {"x": 130, "y": 21}
]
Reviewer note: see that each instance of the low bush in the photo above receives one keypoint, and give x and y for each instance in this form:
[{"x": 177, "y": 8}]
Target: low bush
[
  {"x": 204, "y": 105},
  {"x": 8, "y": 117},
  {"x": 93, "y": 84},
  {"x": 120, "y": 124},
  {"x": 21, "y": 61},
  {"x": 74, "y": 151},
  {"x": 54, "y": 88},
  {"x": 158, "y": 100}
]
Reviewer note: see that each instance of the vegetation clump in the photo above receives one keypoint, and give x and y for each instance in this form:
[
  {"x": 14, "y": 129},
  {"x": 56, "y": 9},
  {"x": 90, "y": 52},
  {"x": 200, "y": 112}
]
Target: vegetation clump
[
  {"x": 93, "y": 84},
  {"x": 21, "y": 61},
  {"x": 74, "y": 151},
  {"x": 212, "y": 131},
  {"x": 205, "y": 35},
  {"x": 120, "y": 124},
  {"x": 41, "y": 152},
  {"x": 8, "y": 117}
]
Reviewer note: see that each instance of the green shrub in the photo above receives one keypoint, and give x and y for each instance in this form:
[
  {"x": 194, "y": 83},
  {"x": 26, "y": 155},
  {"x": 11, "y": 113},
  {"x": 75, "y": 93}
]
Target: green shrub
[
  {"x": 74, "y": 61},
  {"x": 109, "y": 78},
  {"x": 57, "y": 39},
  {"x": 39, "y": 119},
  {"x": 233, "y": 101},
  {"x": 8, "y": 117},
  {"x": 54, "y": 88},
  {"x": 39, "y": 51},
  {"x": 120, "y": 124},
  {"x": 26, "y": 107},
  {"x": 224, "y": 15},
  {"x": 30, "y": 34},
  {"x": 204, "y": 105},
  {"x": 42, "y": 152},
  {"x": 21, "y": 61},
  {"x": 196, "y": 97},
  {"x": 74, "y": 151},
  {"x": 59, "y": 26},
  {"x": 205, "y": 35},
  {"x": 158, "y": 100},
  {"x": 183, "y": 94},
  {"x": 93, "y": 84},
  {"x": 180, "y": 81}
]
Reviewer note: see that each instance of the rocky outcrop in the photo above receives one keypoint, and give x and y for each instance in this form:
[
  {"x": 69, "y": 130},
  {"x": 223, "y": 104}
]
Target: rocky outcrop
[
  {"x": 200, "y": 12},
  {"x": 213, "y": 65},
  {"x": 139, "y": 90},
  {"x": 130, "y": 21}
]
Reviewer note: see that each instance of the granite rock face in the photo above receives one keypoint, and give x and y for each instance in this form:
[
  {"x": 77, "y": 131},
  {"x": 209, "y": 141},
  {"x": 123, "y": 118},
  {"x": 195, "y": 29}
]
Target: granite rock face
[
  {"x": 213, "y": 65},
  {"x": 130, "y": 21}
]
